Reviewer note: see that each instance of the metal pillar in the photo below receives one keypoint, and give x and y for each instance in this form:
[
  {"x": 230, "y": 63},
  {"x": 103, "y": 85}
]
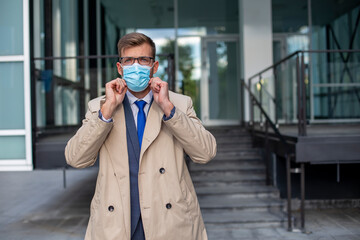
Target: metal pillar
[
  {"x": 302, "y": 206},
  {"x": 300, "y": 170},
  {"x": 288, "y": 180}
]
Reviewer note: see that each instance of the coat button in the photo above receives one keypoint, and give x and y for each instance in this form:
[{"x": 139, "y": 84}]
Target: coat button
[
  {"x": 162, "y": 170},
  {"x": 111, "y": 208},
  {"x": 168, "y": 205}
]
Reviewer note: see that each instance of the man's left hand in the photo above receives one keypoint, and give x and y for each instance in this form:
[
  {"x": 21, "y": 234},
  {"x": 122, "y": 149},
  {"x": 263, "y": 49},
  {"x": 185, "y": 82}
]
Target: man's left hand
[{"x": 161, "y": 94}]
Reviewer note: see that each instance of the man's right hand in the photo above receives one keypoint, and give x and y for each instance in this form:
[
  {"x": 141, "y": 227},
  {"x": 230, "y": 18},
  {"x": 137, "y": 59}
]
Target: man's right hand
[{"x": 115, "y": 92}]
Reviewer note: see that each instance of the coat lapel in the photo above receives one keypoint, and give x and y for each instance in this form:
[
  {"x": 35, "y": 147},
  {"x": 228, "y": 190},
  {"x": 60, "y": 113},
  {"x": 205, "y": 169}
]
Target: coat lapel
[
  {"x": 131, "y": 128},
  {"x": 152, "y": 127}
]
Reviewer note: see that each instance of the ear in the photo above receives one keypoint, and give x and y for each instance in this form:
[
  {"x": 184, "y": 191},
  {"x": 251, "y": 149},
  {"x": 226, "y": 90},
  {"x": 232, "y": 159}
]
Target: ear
[
  {"x": 156, "y": 66},
  {"x": 120, "y": 69}
]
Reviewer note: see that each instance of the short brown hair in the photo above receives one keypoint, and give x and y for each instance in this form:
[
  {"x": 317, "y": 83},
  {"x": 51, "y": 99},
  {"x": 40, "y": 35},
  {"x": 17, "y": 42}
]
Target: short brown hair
[{"x": 135, "y": 39}]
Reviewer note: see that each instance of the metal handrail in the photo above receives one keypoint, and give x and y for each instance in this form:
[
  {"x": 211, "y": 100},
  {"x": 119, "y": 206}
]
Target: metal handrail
[
  {"x": 302, "y": 51},
  {"x": 288, "y": 156},
  {"x": 301, "y": 104},
  {"x": 272, "y": 125},
  {"x": 301, "y": 87}
]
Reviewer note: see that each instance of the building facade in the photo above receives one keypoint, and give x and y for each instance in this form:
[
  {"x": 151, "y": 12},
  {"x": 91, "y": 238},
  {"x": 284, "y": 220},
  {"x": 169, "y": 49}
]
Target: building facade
[{"x": 56, "y": 55}]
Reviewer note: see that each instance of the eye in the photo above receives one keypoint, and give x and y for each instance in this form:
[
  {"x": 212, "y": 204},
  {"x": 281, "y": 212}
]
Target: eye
[
  {"x": 127, "y": 60},
  {"x": 144, "y": 60}
]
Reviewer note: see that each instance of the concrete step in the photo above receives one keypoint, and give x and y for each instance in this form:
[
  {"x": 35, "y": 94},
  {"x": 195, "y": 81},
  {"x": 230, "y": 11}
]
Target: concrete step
[
  {"x": 233, "y": 139},
  {"x": 229, "y": 165},
  {"x": 235, "y": 148},
  {"x": 238, "y": 155},
  {"x": 229, "y": 177},
  {"x": 239, "y": 191},
  {"x": 218, "y": 202},
  {"x": 227, "y": 130},
  {"x": 231, "y": 188},
  {"x": 241, "y": 219}
]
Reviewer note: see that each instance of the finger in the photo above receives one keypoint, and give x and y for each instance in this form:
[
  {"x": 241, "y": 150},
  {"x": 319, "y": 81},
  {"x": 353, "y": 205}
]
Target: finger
[
  {"x": 155, "y": 86},
  {"x": 123, "y": 86},
  {"x": 118, "y": 85},
  {"x": 164, "y": 85},
  {"x": 152, "y": 82},
  {"x": 123, "y": 81},
  {"x": 123, "y": 89},
  {"x": 110, "y": 86}
]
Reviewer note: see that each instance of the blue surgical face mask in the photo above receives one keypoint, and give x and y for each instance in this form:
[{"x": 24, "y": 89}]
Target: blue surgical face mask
[{"x": 137, "y": 77}]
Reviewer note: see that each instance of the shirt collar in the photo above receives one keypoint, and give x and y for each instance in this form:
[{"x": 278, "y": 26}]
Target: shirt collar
[{"x": 133, "y": 99}]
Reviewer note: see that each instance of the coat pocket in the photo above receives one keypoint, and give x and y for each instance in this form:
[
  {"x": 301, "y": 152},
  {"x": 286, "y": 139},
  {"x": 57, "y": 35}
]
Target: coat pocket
[{"x": 188, "y": 199}]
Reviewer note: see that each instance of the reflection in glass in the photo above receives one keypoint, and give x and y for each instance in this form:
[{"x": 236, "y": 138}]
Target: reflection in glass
[
  {"x": 208, "y": 17},
  {"x": 224, "y": 86},
  {"x": 336, "y": 85},
  {"x": 65, "y": 38},
  {"x": 336, "y": 29},
  {"x": 286, "y": 94},
  {"x": 12, "y": 95},
  {"x": 11, "y": 27},
  {"x": 190, "y": 68},
  {"x": 60, "y": 101},
  {"x": 12, "y": 147},
  {"x": 337, "y": 102}
]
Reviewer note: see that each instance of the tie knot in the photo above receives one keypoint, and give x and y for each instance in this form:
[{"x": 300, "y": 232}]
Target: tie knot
[{"x": 140, "y": 104}]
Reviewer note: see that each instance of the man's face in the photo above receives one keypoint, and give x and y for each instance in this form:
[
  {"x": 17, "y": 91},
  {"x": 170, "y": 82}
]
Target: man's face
[{"x": 143, "y": 50}]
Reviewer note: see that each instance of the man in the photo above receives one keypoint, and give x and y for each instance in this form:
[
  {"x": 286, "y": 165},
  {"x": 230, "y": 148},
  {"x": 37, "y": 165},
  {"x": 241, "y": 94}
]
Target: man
[{"x": 140, "y": 130}]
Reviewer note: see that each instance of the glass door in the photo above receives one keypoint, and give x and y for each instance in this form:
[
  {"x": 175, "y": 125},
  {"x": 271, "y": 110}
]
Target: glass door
[{"x": 220, "y": 82}]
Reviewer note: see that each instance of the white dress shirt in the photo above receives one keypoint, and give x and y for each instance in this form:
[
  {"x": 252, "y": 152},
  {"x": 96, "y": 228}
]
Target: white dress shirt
[{"x": 132, "y": 99}]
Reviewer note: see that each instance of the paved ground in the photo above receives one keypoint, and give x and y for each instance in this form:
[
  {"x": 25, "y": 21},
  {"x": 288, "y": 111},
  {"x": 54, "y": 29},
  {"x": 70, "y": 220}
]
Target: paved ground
[{"x": 34, "y": 205}]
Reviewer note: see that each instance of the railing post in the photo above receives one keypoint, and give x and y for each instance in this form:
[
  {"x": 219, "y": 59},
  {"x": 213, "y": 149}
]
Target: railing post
[
  {"x": 288, "y": 182},
  {"x": 302, "y": 206},
  {"x": 64, "y": 176},
  {"x": 303, "y": 95},
  {"x": 267, "y": 152},
  {"x": 251, "y": 104},
  {"x": 260, "y": 96},
  {"x": 299, "y": 98},
  {"x": 275, "y": 98}
]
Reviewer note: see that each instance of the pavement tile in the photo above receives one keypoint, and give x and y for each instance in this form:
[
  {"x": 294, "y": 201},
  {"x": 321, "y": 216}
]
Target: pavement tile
[{"x": 34, "y": 205}]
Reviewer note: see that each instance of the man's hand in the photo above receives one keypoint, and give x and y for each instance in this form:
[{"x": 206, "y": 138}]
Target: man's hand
[
  {"x": 115, "y": 92},
  {"x": 161, "y": 94}
]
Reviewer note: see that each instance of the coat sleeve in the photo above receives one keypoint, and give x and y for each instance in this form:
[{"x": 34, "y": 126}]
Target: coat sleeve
[
  {"x": 82, "y": 149},
  {"x": 197, "y": 142}
]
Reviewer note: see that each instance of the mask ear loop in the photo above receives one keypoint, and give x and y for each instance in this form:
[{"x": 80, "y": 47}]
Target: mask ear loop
[
  {"x": 121, "y": 68},
  {"x": 152, "y": 70}
]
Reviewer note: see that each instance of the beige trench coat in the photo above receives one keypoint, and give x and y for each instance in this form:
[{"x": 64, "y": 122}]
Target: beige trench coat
[{"x": 163, "y": 146}]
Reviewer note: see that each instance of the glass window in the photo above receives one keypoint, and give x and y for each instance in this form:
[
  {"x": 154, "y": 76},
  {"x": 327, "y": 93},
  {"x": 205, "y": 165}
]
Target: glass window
[
  {"x": 65, "y": 38},
  {"x": 338, "y": 28},
  {"x": 12, "y": 95},
  {"x": 11, "y": 27},
  {"x": 223, "y": 81},
  {"x": 289, "y": 16},
  {"x": 12, "y": 147},
  {"x": 190, "y": 68},
  {"x": 208, "y": 17},
  {"x": 333, "y": 74}
]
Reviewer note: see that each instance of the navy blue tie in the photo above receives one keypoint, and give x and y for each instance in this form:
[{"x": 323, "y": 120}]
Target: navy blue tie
[{"x": 141, "y": 120}]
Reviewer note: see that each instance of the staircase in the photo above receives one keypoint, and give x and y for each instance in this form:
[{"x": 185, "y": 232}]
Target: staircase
[{"x": 232, "y": 188}]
